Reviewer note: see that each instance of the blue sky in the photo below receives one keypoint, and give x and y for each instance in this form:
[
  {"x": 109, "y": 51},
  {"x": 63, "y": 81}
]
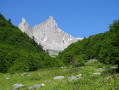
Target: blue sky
[{"x": 80, "y": 18}]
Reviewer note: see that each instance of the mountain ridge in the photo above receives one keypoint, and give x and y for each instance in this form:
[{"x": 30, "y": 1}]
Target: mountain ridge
[{"x": 48, "y": 35}]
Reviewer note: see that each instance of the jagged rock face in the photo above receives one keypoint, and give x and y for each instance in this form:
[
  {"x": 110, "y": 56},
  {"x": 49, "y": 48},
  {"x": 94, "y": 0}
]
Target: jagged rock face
[
  {"x": 24, "y": 27},
  {"x": 48, "y": 35}
]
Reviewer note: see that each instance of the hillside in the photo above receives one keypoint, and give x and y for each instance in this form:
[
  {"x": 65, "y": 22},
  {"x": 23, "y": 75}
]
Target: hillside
[
  {"x": 85, "y": 64},
  {"x": 18, "y": 52},
  {"x": 103, "y": 46}
]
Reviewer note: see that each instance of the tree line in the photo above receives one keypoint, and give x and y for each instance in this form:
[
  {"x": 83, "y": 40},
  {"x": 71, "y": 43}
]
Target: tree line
[
  {"x": 103, "y": 46},
  {"x": 20, "y": 53}
]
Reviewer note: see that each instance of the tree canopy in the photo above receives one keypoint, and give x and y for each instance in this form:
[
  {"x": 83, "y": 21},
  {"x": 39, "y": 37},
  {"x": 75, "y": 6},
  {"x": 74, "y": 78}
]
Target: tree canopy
[
  {"x": 18, "y": 52},
  {"x": 103, "y": 46}
]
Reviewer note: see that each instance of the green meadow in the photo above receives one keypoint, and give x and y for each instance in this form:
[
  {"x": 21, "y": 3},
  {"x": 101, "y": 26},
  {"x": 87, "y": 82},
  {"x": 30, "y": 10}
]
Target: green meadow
[{"x": 94, "y": 76}]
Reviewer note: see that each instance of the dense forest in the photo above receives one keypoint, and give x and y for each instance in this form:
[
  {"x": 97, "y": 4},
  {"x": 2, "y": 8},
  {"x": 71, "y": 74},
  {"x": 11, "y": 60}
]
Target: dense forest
[
  {"x": 103, "y": 46},
  {"x": 18, "y": 52}
]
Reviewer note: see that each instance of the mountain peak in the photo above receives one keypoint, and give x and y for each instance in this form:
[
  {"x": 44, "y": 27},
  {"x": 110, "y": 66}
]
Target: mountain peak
[
  {"x": 23, "y": 20},
  {"x": 50, "y": 22},
  {"x": 51, "y": 18},
  {"x": 48, "y": 35},
  {"x": 24, "y": 25}
]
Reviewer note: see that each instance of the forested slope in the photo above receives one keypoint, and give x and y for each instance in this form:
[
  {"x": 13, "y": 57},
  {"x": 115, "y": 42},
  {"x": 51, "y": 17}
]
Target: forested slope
[
  {"x": 18, "y": 52},
  {"x": 103, "y": 46}
]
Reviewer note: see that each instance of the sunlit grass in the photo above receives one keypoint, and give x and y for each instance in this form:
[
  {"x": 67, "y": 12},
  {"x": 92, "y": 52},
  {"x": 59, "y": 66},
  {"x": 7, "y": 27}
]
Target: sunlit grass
[{"x": 87, "y": 81}]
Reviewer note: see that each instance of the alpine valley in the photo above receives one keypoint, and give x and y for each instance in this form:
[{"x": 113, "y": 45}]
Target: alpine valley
[{"x": 83, "y": 64}]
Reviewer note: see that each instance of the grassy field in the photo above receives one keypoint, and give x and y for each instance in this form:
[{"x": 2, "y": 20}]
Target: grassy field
[{"x": 93, "y": 76}]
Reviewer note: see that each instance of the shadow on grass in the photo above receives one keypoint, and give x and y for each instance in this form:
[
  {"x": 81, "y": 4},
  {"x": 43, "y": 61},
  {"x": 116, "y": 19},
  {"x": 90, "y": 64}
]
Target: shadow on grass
[{"x": 109, "y": 71}]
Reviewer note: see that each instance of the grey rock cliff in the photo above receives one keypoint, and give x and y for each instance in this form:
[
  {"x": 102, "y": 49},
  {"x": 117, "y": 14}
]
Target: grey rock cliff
[{"x": 48, "y": 35}]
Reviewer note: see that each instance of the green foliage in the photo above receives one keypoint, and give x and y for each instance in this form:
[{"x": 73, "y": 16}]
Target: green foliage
[
  {"x": 107, "y": 80},
  {"x": 20, "y": 53},
  {"x": 103, "y": 46},
  {"x": 79, "y": 60},
  {"x": 2, "y": 17}
]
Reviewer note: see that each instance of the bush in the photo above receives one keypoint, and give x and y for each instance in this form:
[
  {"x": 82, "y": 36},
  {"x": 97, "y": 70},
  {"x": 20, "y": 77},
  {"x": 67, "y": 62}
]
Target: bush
[{"x": 79, "y": 60}]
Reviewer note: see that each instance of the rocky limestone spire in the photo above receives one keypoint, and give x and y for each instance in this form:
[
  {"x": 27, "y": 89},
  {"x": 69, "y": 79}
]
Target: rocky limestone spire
[
  {"x": 48, "y": 35},
  {"x": 51, "y": 23},
  {"x": 51, "y": 17},
  {"x": 23, "y": 20},
  {"x": 23, "y": 26}
]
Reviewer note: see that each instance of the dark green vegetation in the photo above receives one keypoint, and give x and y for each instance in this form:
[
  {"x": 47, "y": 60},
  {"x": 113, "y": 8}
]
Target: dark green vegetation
[
  {"x": 103, "y": 46},
  {"x": 18, "y": 52}
]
